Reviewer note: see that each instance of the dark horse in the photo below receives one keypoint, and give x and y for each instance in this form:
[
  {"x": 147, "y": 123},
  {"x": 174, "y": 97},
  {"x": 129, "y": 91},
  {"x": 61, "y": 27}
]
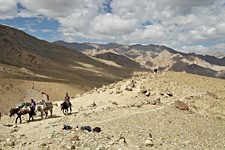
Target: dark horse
[
  {"x": 21, "y": 112},
  {"x": 65, "y": 106}
]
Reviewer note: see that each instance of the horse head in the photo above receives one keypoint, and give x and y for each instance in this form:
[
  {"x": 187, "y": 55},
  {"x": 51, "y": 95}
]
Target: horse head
[{"x": 13, "y": 111}]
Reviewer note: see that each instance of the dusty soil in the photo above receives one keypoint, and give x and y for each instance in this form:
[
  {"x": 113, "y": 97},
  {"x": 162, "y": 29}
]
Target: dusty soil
[{"x": 137, "y": 113}]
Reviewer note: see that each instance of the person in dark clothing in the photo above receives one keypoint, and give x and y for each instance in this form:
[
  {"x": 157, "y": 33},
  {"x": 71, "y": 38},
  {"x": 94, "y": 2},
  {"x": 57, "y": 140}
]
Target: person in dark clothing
[
  {"x": 33, "y": 105},
  {"x": 67, "y": 99}
]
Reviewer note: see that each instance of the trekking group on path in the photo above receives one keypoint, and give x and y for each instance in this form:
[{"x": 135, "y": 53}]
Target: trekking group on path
[{"x": 42, "y": 106}]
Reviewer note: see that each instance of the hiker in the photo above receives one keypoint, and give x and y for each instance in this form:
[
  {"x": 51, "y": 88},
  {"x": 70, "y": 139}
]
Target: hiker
[
  {"x": 33, "y": 105},
  {"x": 45, "y": 96},
  {"x": 67, "y": 99}
]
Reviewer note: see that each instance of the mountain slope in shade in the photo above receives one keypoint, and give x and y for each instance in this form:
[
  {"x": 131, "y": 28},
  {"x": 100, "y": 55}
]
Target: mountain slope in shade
[
  {"x": 193, "y": 68},
  {"x": 155, "y": 56},
  {"x": 119, "y": 59},
  {"x": 21, "y": 50}
]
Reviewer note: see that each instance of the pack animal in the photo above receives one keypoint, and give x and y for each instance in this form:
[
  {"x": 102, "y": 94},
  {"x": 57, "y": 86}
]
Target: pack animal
[
  {"x": 65, "y": 106},
  {"x": 21, "y": 111},
  {"x": 43, "y": 107}
]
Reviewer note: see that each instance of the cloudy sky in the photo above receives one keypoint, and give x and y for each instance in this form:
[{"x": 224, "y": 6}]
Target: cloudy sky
[{"x": 185, "y": 25}]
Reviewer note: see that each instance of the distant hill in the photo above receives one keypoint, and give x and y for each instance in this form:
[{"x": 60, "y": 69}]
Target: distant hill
[{"x": 153, "y": 57}]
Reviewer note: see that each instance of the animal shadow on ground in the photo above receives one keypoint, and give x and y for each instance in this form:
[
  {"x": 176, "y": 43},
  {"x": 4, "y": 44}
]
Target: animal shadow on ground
[
  {"x": 8, "y": 125},
  {"x": 40, "y": 119},
  {"x": 72, "y": 113}
]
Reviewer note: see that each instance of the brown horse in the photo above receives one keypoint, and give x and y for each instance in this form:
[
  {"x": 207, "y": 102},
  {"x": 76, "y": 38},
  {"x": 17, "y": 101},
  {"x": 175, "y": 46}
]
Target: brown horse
[{"x": 21, "y": 112}]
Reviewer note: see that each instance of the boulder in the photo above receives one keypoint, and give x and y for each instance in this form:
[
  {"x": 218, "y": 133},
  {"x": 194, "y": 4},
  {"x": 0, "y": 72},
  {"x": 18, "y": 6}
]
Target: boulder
[
  {"x": 10, "y": 142},
  {"x": 181, "y": 105},
  {"x": 74, "y": 138},
  {"x": 142, "y": 89},
  {"x": 130, "y": 86},
  {"x": 118, "y": 91},
  {"x": 168, "y": 93},
  {"x": 149, "y": 142},
  {"x": 122, "y": 140},
  {"x": 114, "y": 103},
  {"x": 110, "y": 92},
  {"x": 147, "y": 93},
  {"x": 93, "y": 105},
  {"x": 156, "y": 101}
]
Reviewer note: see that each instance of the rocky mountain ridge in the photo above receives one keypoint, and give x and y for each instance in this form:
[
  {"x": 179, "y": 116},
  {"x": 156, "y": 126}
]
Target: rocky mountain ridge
[{"x": 154, "y": 56}]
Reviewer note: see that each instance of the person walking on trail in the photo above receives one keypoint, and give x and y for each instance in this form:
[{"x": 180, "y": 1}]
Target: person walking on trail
[
  {"x": 67, "y": 99},
  {"x": 33, "y": 105}
]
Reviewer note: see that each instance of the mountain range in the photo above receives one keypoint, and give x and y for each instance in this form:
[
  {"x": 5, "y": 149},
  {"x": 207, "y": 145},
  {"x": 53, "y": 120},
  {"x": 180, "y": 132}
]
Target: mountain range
[{"x": 152, "y": 57}]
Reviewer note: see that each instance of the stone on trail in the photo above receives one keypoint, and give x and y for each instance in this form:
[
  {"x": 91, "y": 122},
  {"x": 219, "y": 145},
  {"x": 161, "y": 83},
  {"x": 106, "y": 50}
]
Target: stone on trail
[
  {"x": 169, "y": 93},
  {"x": 156, "y": 101},
  {"x": 130, "y": 86},
  {"x": 92, "y": 105},
  {"x": 147, "y": 93},
  {"x": 74, "y": 138},
  {"x": 149, "y": 142},
  {"x": 73, "y": 147},
  {"x": 114, "y": 103},
  {"x": 122, "y": 140},
  {"x": 181, "y": 105},
  {"x": 118, "y": 91}
]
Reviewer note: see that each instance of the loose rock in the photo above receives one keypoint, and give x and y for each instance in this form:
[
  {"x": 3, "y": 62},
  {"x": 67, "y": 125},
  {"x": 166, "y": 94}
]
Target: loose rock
[
  {"x": 149, "y": 142},
  {"x": 181, "y": 105},
  {"x": 147, "y": 93},
  {"x": 114, "y": 103}
]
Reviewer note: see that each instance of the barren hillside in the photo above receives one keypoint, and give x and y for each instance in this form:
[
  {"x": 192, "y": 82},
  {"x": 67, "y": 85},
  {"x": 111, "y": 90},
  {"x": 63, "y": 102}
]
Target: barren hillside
[{"x": 147, "y": 111}]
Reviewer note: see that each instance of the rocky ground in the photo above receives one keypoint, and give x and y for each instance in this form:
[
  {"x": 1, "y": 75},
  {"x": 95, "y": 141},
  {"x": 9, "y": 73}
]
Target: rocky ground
[{"x": 148, "y": 111}]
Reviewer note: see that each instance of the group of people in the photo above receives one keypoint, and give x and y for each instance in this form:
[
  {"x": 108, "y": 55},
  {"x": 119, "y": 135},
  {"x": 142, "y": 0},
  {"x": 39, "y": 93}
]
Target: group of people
[{"x": 33, "y": 103}]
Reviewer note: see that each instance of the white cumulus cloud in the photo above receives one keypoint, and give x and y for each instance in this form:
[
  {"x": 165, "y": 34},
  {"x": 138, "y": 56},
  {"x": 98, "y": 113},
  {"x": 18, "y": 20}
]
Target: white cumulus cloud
[{"x": 174, "y": 23}]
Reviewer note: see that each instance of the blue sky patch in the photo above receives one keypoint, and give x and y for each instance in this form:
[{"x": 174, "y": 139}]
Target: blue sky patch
[
  {"x": 106, "y": 7},
  {"x": 40, "y": 27},
  {"x": 149, "y": 22}
]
